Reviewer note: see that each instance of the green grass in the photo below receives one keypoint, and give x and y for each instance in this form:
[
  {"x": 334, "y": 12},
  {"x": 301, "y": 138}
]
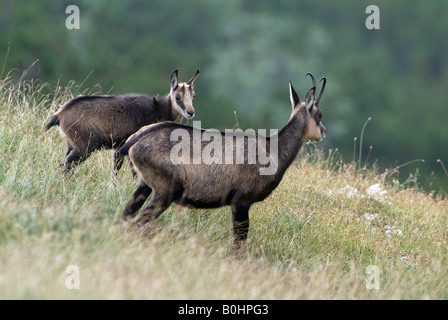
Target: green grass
[{"x": 313, "y": 238}]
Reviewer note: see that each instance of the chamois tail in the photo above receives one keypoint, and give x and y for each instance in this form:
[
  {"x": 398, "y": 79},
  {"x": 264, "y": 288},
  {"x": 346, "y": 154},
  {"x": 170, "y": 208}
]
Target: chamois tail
[
  {"x": 53, "y": 122},
  {"x": 124, "y": 150}
]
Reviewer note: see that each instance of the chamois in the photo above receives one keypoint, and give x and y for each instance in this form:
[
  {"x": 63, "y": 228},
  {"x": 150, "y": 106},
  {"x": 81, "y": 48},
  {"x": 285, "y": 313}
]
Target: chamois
[
  {"x": 212, "y": 185},
  {"x": 90, "y": 123}
]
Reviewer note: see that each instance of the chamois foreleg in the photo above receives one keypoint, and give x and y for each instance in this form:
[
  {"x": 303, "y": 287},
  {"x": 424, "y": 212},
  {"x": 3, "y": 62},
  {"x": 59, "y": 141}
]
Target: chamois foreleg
[
  {"x": 240, "y": 221},
  {"x": 118, "y": 162}
]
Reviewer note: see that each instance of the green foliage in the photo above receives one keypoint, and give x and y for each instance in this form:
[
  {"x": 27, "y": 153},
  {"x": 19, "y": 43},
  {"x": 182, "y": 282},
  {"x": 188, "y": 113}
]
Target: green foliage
[
  {"x": 247, "y": 51},
  {"x": 312, "y": 238}
]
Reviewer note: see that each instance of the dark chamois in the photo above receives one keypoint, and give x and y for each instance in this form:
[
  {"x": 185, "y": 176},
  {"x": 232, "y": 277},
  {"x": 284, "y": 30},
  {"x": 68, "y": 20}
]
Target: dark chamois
[
  {"x": 154, "y": 151},
  {"x": 90, "y": 123}
]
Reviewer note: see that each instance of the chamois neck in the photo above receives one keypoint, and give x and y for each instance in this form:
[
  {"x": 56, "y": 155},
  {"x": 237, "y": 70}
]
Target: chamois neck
[
  {"x": 290, "y": 139},
  {"x": 164, "y": 108}
]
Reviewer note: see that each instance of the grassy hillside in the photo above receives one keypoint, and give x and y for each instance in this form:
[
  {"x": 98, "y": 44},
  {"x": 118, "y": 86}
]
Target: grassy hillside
[{"x": 313, "y": 238}]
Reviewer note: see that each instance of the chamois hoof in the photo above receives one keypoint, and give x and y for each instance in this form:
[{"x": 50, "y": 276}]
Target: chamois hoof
[
  {"x": 144, "y": 227},
  {"x": 239, "y": 248}
]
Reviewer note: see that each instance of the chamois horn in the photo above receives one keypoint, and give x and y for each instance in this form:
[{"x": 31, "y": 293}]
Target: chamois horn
[{"x": 321, "y": 90}]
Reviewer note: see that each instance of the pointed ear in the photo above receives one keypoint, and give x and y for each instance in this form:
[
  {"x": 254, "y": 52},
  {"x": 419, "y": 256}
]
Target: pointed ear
[
  {"x": 309, "y": 100},
  {"x": 193, "y": 80},
  {"x": 173, "y": 80},
  {"x": 293, "y": 96}
]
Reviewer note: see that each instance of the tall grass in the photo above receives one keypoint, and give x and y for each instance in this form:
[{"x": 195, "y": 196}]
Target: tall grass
[{"x": 313, "y": 238}]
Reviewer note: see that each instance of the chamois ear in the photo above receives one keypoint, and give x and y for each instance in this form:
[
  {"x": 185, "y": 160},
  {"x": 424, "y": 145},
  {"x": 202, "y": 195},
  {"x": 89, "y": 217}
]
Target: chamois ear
[
  {"x": 193, "y": 80},
  {"x": 173, "y": 80},
  {"x": 309, "y": 100},
  {"x": 293, "y": 96}
]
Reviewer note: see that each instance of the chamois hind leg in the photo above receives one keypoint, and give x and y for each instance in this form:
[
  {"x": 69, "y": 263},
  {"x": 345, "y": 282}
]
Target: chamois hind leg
[
  {"x": 67, "y": 152},
  {"x": 73, "y": 158},
  {"x": 159, "y": 203},
  {"x": 240, "y": 221},
  {"x": 137, "y": 200}
]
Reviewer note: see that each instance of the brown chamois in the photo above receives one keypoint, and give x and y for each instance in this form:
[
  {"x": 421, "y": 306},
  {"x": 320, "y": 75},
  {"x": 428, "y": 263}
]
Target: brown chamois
[
  {"x": 208, "y": 184},
  {"x": 90, "y": 123}
]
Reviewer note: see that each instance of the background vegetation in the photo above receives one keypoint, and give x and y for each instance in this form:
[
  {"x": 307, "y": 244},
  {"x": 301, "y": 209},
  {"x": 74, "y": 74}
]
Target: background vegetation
[
  {"x": 247, "y": 51},
  {"x": 313, "y": 238}
]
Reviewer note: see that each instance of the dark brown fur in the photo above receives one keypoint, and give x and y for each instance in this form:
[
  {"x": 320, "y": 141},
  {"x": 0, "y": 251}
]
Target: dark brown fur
[
  {"x": 96, "y": 122},
  {"x": 213, "y": 185}
]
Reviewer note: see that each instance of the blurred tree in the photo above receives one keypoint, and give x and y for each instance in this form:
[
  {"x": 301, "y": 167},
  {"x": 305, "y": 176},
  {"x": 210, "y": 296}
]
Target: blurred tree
[{"x": 247, "y": 51}]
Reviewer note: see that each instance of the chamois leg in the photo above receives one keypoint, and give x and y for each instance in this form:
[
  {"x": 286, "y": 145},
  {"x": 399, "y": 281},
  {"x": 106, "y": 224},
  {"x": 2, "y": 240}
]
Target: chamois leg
[
  {"x": 160, "y": 202},
  {"x": 118, "y": 162},
  {"x": 137, "y": 200},
  {"x": 132, "y": 167},
  {"x": 240, "y": 221},
  {"x": 69, "y": 149},
  {"x": 73, "y": 159},
  {"x": 67, "y": 152}
]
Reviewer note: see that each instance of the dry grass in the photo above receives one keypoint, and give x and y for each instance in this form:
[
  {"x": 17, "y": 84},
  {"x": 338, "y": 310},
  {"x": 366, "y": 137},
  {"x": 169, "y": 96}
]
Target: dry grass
[{"x": 313, "y": 238}]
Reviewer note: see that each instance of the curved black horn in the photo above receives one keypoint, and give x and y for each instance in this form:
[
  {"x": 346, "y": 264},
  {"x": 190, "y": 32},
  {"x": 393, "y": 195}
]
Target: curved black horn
[
  {"x": 321, "y": 90},
  {"x": 312, "y": 78}
]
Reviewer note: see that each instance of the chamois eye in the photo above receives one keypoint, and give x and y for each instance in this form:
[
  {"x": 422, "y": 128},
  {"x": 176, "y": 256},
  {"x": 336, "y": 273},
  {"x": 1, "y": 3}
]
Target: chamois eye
[
  {"x": 178, "y": 97},
  {"x": 318, "y": 117}
]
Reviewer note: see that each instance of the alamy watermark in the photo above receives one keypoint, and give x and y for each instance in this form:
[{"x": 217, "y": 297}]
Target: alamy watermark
[
  {"x": 373, "y": 20},
  {"x": 373, "y": 277},
  {"x": 73, "y": 280},
  {"x": 233, "y": 146},
  {"x": 72, "y": 21}
]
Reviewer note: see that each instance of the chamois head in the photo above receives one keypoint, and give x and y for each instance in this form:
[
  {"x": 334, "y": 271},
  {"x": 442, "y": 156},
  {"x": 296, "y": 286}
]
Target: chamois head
[
  {"x": 309, "y": 110},
  {"x": 182, "y": 96}
]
